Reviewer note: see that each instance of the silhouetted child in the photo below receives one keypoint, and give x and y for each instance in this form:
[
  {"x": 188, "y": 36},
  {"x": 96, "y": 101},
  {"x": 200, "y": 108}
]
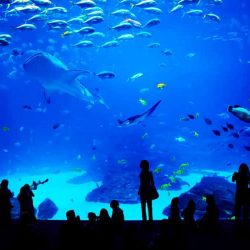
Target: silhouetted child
[
  {"x": 5, "y": 203},
  {"x": 117, "y": 217},
  {"x": 210, "y": 220},
  {"x": 188, "y": 215},
  {"x": 242, "y": 194}
]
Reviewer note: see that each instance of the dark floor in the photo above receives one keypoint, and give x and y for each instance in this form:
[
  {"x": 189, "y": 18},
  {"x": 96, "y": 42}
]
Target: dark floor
[{"x": 46, "y": 235}]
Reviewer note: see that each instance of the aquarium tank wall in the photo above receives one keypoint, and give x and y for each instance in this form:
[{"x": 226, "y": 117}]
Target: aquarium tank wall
[{"x": 90, "y": 88}]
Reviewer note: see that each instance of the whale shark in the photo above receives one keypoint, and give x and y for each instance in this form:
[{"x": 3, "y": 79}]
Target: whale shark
[
  {"x": 54, "y": 75},
  {"x": 137, "y": 119}
]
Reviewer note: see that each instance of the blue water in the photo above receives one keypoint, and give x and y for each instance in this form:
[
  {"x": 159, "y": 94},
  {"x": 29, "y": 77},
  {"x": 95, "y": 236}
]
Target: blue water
[{"x": 208, "y": 71}]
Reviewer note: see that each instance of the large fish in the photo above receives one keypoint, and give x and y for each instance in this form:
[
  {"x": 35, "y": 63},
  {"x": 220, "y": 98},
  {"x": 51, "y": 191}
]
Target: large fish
[
  {"x": 54, "y": 75},
  {"x": 133, "y": 120},
  {"x": 242, "y": 113}
]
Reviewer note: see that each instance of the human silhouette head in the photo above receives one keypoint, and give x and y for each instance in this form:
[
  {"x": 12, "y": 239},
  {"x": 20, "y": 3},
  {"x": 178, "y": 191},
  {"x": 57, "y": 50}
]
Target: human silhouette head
[
  {"x": 70, "y": 214},
  {"x": 210, "y": 199},
  {"x": 191, "y": 204},
  {"x": 104, "y": 214},
  {"x": 144, "y": 165},
  {"x": 4, "y": 183},
  {"x": 243, "y": 169},
  {"x": 92, "y": 216},
  {"x": 175, "y": 202},
  {"x": 114, "y": 204}
]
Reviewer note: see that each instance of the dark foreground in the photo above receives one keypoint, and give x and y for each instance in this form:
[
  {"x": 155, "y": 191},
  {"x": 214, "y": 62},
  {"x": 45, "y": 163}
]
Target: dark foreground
[{"x": 135, "y": 235}]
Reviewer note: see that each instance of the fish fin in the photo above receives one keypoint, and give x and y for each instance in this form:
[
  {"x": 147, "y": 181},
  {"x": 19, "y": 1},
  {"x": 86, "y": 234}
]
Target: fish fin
[
  {"x": 72, "y": 74},
  {"x": 237, "y": 106},
  {"x": 152, "y": 109}
]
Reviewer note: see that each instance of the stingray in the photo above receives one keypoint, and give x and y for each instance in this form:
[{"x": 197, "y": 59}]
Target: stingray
[
  {"x": 137, "y": 119},
  {"x": 54, "y": 75}
]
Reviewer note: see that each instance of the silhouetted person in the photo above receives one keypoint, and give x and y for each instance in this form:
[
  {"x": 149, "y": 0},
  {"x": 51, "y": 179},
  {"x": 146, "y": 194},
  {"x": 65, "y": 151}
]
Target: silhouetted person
[
  {"x": 27, "y": 210},
  {"x": 210, "y": 220},
  {"x": 242, "y": 194},
  {"x": 92, "y": 219},
  {"x": 104, "y": 219},
  {"x": 174, "y": 217},
  {"x": 117, "y": 216},
  {"x": 146, "y": 181},
  {"x": 5, "y": 203},
  {"x": 104, "y": 230},
  {"x": 188, "y": 214},
  {"x": 71, "y": 231}
]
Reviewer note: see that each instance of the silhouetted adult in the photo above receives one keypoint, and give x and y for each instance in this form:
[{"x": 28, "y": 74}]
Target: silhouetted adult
[
  {"x": 71, "y": 231},
  {"x": 104, "y": 219},
  {"x": 104, "y": 229},
  {"x": 242, "y": 194},
  {"x": 210, "y": 220},
  {"x": 146, "y": 181},
  {"x": 91, "y": 231},
  {"x": 117, "y": 216},
  {"x": 27, "y": 210},
  {"x": 5, "y": 203},
  {"x": 188, "y": 214}
]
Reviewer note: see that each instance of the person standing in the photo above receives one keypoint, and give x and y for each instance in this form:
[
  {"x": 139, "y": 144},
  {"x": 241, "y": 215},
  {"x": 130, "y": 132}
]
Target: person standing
[
  {"x": 27, "y": 210},
  {"x": 242, "y": 194},
  {"x": 146, "y": 182},
  {"x": 5, "y": 203}
]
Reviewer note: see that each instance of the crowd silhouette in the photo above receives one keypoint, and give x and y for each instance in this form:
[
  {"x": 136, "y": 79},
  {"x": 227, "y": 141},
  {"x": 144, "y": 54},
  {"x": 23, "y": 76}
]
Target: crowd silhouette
[{"x": 110, "y": 231}]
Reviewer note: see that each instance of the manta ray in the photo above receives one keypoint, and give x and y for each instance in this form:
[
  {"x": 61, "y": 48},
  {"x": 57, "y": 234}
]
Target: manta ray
[
  {"x": 54, "y": 75},
  {"x": 136, "y": 119}
]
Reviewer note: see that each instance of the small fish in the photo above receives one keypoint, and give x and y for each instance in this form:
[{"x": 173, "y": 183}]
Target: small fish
[
  {"x": 135, "y": 76},
  {"x": 230, "y": 126},
  {"x": 183, "y": 165},
  {"x": 5, "y": 129},
  {"x": 208, "y": 121},
  {"x": 105, "y": 75},
  {"x": 180, "y": 139},
  {"x": 165, "y": 186},
  {"x": 121, "y": 162},
  {"x": 145, "y": 135},
  {"x": 161, "y": 85},
  {"x": 143, "y": 101},
  {"x": 230, "y": 145},
  {"x": 27, "y": 107},
  {"x": 191, "y": 116},
  {"x": 56, "y": 125},
  {"x": 167, "y": 52},
  {"x": 247, "y": 148},
  {"x": 216, "y": 132},
  {"x": 179, "y": 172},
  {"x": 235, "y": 134},
  {"x": 151, "y": 22},
  {"x": 204, "y": 198},
  {"x": 224, "y": 128},
  {"x": 196, "y": 134},
  {"x": 157, "y": 170}
]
